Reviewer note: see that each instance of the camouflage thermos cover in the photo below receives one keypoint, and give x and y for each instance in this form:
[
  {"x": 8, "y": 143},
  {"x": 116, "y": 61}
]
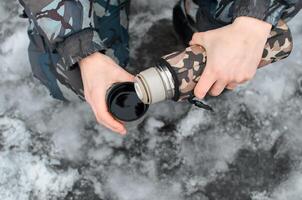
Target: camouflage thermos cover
[{"x": 187, "y": 66}]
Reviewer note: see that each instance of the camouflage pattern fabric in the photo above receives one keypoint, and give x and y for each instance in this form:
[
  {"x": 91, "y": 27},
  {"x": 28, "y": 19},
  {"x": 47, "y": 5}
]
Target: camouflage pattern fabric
[
  {"x": 278, "y": 46},
  {"x": 62, "y": 32},
  {"x": 225, "y": 11},
  {"x": 188, "y": 65}
]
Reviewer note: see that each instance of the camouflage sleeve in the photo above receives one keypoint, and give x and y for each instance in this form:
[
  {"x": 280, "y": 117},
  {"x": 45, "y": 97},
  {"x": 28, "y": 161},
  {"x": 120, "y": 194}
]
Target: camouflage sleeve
[
  {"x": 67, "y": 27},
  {"x": 270, "y": 11}
]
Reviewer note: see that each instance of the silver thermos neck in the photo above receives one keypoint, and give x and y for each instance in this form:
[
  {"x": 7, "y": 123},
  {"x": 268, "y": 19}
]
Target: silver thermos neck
[{"x": 154, "y": 85}]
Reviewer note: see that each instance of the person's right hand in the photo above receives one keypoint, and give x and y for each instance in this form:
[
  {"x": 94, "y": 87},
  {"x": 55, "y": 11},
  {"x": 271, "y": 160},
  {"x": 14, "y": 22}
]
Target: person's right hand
[{"x": 99, "y": 72}]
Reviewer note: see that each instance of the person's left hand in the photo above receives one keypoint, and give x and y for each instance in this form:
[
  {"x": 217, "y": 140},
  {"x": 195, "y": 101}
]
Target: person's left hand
[{"x": 233, "y": 54}]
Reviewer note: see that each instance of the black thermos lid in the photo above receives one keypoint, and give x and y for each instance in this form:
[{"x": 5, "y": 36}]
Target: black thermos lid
[{"x": 124, "y": 104}]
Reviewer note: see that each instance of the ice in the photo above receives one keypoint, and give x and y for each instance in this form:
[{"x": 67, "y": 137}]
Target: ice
[
  {"x": 14, "y": 66},
  {"x": 290, "y": 189},
  {"x": 249, "y": 148},
  {"x": 14, "y": 134},
  {"x": 23, "y": 174},
  {"x": 134, "y": 187}
]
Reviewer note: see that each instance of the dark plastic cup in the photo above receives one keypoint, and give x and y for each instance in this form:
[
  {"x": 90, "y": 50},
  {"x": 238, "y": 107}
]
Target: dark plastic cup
[{"x": 124, "y": 104}]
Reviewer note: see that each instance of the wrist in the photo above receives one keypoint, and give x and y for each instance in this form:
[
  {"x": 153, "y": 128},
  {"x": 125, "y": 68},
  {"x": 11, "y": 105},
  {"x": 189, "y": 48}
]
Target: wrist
[
  {"x": 252, "y": 26},
  {"x": 88, "y": 59}
]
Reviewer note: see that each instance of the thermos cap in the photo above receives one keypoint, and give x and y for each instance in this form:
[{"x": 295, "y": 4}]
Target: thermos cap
[{"x": 124, "y": 104}]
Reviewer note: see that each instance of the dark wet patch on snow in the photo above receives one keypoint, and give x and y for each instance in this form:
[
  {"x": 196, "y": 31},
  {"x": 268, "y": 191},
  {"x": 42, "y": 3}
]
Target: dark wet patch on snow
[{"x": 251, "y": 171}]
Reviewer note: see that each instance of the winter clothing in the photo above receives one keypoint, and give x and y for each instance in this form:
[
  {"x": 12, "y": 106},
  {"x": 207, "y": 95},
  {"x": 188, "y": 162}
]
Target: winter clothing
[{"x": 62, "y": 32}]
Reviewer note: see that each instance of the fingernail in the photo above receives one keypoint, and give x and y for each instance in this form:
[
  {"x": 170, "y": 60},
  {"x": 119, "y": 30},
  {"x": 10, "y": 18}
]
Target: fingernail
[
  {"x": 123, "y": 132},
  {"x": 200, "y": 97}
]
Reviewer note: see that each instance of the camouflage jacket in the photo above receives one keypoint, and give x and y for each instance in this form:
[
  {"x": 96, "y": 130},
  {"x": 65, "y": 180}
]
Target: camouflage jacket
[
  {"x": 62, "y": 32},
  {"x": 268, "y": 10},
  {"x": 69, "y": 27}
]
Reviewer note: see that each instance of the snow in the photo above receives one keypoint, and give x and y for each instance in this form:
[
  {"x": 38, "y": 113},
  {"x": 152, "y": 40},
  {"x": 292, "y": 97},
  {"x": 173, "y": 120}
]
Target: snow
[
  {"x": 24, "y": 175},
  {"x": 134, "y": 187},
  {"x": 249, "y": 148}
]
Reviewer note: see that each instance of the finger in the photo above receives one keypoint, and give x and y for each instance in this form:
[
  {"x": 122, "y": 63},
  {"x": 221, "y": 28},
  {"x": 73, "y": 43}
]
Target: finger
[
  {"x": 205, "y": 82},
  {"x": 217, "y": 88},
  {"x": 198, "y": 39},
  {"x": 112, "y": 129},
  {"x": 104, "y": 117},
  {"x": 112, "y": 123},
  {"x": 104, "y": 123},
  {"x": 231, "y": 86}
]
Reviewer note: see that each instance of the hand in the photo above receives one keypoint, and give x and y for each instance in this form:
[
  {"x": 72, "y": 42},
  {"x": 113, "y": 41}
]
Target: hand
[
  {"x": 233, "y": 54},
  {"x": 99, "y": 72}
]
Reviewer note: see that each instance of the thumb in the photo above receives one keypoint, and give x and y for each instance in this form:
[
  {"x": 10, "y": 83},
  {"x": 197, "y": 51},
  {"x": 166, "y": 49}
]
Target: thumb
[{"x": 198, "y": 38}]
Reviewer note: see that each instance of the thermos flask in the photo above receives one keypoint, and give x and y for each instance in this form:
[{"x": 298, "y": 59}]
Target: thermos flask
[{"x": 175, "y": 76}]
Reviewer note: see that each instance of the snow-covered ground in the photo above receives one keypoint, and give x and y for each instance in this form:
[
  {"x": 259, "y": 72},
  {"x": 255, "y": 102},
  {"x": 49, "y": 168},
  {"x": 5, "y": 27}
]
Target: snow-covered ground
[{"x": 249, "y": 149}]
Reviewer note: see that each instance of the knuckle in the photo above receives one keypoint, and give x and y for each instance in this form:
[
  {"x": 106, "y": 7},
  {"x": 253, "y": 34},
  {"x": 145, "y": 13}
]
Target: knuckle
[
  {"x": 251, "y": 75},
  {"x": 239, "y": 79},
  {"x": 199, "y": 37},
  {"x": 212, "y": 69},
  {"x": 195, "y": 36},
  {"x": 218, "y": 72},
  {"x": 226, "y": 79},
  {"x": 247, "y": 77}
]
